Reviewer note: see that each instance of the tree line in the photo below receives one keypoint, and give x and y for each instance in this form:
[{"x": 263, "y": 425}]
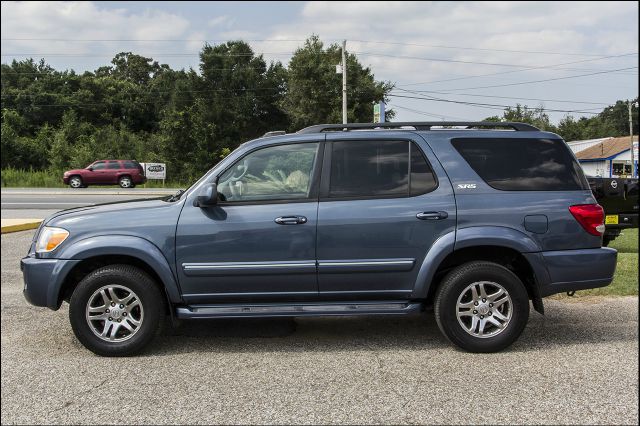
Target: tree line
[{"x": 137, "y": 108}]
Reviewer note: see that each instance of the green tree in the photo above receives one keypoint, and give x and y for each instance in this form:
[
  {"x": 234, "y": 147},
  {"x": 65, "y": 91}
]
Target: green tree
[{"x": 314, "y": 89}]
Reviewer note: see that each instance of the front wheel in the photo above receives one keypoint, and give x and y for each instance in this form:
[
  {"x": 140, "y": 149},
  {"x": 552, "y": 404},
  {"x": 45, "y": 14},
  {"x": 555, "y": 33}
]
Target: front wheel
[
  {"x": 481, "y": 307},
  {"x": 116, "y": 310},
  {"x": 75, "y": 182}
]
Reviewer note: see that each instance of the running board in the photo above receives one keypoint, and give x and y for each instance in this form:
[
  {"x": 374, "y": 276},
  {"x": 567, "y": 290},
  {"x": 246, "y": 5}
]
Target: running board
[{"x": 296, "y": 310}]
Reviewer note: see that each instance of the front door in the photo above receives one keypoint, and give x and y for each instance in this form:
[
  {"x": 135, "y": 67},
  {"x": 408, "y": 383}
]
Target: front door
[
  {"x": 383, "y": 203},
  {"x": 259, "y": 242},
  {"x": 96, "y": 173}
]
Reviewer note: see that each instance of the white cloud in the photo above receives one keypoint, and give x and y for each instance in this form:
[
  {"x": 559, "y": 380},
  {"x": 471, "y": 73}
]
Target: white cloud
[
  {"x": 76, "y": 22},
  {"x": 220, "y": 21}
]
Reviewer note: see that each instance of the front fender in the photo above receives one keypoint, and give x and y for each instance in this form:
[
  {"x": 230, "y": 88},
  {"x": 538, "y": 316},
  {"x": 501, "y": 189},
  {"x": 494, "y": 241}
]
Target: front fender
[{"x": 126, "y": 245}]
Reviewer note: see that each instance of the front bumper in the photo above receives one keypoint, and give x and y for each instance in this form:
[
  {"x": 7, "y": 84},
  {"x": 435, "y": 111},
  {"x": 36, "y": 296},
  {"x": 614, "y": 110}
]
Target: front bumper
[
  {"x": 65, "y": 180},
  {"x": 572, "y": 270},
  {"x": 43, "y": 279}
]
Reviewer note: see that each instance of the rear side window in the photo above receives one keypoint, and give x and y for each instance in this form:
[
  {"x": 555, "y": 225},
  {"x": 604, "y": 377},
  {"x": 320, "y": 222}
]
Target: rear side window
[
  {"x": 131, "y": 165},
  {"x": 523, "y": 164},
  {"x": 113, "y": 165},
  {"x": 378, "y": 169}
]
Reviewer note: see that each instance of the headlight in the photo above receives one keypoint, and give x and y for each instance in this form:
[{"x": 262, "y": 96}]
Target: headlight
[{"x": 50, "y": 238}]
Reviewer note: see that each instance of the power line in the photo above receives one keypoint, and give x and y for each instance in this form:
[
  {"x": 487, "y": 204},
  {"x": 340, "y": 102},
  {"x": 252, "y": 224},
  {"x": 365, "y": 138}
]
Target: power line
[
  {"x": 525, "y": 69},
  {"x": 504, "y": 97},
  {"x": 482, "y": 49},
  {"x": 543, "y": 80},
  {"x": 485, "y": 105}
]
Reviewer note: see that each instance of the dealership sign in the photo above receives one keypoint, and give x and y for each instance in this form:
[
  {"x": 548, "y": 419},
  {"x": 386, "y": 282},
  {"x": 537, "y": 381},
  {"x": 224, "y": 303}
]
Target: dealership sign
[{"x": 155, "y": 170}]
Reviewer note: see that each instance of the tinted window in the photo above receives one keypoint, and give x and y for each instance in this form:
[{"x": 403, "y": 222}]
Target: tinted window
[
  {"x": 369, "y": 168},
  {"x": 99, "y": 166},
  {"x": 422, "y": 177},
  {"x": 130, "y": 165},
  {"x": 276, "y": 173},
  {"x": 523, "y": 164},
  {"x": 113, "y": 165}
]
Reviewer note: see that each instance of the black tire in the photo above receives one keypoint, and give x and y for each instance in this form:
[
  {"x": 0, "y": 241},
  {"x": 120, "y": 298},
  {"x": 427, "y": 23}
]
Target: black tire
[
  {"x": 76, "y": 182},
  {"x": 125, "y": 182},
  {"x": 147, "y": 291},
  {"x": 455, "y": 283}
]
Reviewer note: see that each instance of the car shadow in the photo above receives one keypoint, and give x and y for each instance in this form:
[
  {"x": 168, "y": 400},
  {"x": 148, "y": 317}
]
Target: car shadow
[{"x": 367, "y": 333}]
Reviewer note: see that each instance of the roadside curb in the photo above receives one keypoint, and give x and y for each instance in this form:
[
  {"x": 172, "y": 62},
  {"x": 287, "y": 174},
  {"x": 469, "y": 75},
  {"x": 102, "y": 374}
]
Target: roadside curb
[{"x": 16, "y": 225}]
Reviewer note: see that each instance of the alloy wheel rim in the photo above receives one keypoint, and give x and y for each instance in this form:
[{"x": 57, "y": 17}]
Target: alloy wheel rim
[
  {"x": 484, "y": 309},
  {"x": 114, "y": 313},
  {"x": 125, "y": 182},
  {"x": 75, "y": 182}
]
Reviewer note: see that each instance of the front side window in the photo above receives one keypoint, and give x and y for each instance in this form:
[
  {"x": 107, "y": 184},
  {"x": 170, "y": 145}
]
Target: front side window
[
  {"x": 282, "y": 172},
  {"x": 379, "y": 169},
  {"x": 101, "y": 165}
]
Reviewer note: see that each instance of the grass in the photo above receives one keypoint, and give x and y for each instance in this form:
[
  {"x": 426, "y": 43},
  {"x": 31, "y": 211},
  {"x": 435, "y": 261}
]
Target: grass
[
  {"x": 17, "y": 178},
  {"x": 625, "y": 281}
]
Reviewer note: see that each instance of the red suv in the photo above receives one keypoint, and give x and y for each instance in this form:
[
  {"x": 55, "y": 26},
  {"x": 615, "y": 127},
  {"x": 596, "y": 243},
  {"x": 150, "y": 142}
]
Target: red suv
[{"x": 126, "y": 173}]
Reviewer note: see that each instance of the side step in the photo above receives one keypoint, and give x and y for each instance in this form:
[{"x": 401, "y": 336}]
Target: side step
[{"x": 265, "y": 310}]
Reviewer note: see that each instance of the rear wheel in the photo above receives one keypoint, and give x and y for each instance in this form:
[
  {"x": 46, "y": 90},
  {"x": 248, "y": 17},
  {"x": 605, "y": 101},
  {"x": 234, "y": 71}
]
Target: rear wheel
[
  {"x": 481, "y": 307},
  {"x": 116, "y": 310},
  {"x": 75, "y": 182}
]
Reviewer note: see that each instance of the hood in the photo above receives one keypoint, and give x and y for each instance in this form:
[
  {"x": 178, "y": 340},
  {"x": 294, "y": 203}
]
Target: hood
[
  {"x": 118, "y": 217},
  {"x": 74, "y": 171}
]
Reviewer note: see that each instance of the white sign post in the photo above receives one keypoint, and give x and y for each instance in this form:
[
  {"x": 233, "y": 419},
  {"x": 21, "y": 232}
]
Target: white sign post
[{"x": 155, "y": 171}]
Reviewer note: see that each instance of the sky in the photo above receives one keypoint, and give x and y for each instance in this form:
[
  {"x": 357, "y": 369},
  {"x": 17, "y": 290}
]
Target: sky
[{"x": 462, "y": 60}]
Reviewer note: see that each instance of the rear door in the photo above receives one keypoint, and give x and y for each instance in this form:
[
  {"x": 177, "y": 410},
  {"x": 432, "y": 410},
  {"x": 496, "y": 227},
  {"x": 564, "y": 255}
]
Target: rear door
[
  {"x": 383, "y": 203},
  {"x": 112, "y": 173}
]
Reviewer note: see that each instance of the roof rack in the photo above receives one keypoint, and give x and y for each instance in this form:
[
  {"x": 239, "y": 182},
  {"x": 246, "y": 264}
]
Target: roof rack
[
  {"x": 419, "y": 125},
  {"x": 274, "y": 133}
]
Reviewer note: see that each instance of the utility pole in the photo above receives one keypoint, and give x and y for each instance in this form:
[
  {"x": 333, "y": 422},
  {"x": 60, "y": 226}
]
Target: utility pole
[
  {"x": 344, "y": 82},
  {"x": 633, "y": 164}
]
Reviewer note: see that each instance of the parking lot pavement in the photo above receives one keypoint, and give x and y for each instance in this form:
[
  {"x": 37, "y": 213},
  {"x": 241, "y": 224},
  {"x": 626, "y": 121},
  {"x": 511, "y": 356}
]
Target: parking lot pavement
[{"x": 578, "y": 364}]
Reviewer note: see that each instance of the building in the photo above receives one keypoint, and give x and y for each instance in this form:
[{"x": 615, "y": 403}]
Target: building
[{"x": 605, "y": 157}]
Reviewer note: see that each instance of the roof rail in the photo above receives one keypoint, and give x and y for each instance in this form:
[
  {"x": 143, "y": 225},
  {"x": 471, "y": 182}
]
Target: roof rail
[
  {"x": 274, "y": 133},
  {"x": 418, "y": 125}
]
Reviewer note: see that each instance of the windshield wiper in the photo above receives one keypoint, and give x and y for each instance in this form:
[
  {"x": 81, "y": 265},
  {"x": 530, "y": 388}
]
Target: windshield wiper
[{"x": 176, "y": 196}]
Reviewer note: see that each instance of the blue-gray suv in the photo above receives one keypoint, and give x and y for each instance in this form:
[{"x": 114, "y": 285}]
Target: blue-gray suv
[{"x": 472, "y": 219}]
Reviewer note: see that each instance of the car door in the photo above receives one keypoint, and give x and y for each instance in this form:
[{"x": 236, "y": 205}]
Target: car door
[
  {"x": 95, "y": 174},
  {"x": 112, "y": 172},
  {"x": 259, "y": 242},
  {"x": 383, "y": 203}
]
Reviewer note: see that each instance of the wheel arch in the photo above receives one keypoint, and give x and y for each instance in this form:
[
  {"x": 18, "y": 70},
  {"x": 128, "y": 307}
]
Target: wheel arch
[
  {"x": 95, "y": 252},
  {"x": 504, "y": 246}
]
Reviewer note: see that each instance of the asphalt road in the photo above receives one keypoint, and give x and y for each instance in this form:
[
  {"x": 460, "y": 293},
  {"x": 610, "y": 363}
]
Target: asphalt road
[
  {"x": 578, "y": 364},
  {"x": 38, "y": 203}
]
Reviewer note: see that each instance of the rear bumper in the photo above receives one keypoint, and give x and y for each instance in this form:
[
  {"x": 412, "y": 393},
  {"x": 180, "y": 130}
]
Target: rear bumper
[
  {"x": 625, "y": 220},
  {"x": 571, "y": 270},
  {"x": 43, "y": 279}
]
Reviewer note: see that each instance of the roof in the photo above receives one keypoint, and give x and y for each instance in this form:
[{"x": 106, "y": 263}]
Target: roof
[{"x": 607, "y": 149}]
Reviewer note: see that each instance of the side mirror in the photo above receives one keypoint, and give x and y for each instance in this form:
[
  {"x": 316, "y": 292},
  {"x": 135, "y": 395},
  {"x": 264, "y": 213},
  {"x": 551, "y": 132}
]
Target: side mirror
[
  {"x": 90, "y": 169},
  {"x": 208, "y": 196}
]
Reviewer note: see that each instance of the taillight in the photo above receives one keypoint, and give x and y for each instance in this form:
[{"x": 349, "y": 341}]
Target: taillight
[{"x": 590, "y": 216}]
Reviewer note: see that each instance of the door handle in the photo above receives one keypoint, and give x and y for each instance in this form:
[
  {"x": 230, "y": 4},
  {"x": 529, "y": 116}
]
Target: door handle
[
  {"x": 432, "y": 215},
  {"x": 290, "y": 220}
]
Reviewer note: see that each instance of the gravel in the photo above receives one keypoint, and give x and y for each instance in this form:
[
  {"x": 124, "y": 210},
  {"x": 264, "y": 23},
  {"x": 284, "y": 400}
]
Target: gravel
[{"x": 577, "y": 364}]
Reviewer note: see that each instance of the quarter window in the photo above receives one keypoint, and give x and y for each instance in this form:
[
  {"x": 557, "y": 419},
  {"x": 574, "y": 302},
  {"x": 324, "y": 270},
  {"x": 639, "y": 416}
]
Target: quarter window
[{"x": 281, "y": 172}]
